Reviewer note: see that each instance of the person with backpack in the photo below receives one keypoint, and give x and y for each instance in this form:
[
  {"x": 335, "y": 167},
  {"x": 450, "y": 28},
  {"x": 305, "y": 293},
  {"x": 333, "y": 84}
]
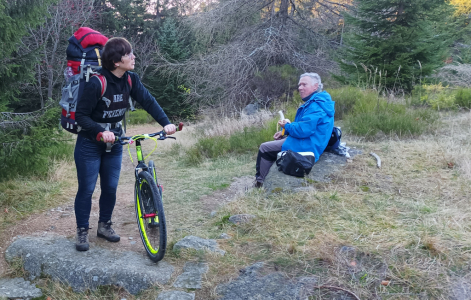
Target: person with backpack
[
  {"x": 99, "y": 113},
  {"x": 310, "y": 131}
]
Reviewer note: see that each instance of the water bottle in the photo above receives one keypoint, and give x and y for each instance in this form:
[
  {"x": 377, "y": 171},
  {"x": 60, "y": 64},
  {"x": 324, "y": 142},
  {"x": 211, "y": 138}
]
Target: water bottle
[{"x": 68, "y": 72}]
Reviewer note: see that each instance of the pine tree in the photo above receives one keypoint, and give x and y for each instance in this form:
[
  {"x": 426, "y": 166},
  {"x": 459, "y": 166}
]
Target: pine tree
[
  {"x": 402, "y": 39},
  {"x": 15, "y": 18},
  {"x": 170, "y": 89}
]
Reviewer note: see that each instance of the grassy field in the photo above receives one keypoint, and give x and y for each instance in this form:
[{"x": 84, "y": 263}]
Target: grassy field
[{"x": 399, "y": 232}]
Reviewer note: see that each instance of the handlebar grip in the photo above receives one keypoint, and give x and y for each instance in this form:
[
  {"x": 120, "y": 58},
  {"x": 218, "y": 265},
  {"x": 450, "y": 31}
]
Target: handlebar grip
[{"x": 99, "y": 137}]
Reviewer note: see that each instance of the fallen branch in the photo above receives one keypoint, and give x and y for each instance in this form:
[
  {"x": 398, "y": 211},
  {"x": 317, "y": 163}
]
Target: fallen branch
[
  {"x": 378, "y": 160},
  {"x": 336, "y": 288}
]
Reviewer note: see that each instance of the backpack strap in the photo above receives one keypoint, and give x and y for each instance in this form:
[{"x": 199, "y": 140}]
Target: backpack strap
[
  {"x": 98, "y": 56},
  {"x": 131, "y": 105},
  {"x": 103, "y": 83},
  {"x": 129, "y": 80}
]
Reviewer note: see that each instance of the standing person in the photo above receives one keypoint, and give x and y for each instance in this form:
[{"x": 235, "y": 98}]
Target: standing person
[
  {"x": 100, "y": 117},
  {"x": 310, "y": 131}
]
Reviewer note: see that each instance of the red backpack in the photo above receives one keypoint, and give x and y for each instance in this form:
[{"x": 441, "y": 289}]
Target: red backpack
[{"x": 83, "y": 61}]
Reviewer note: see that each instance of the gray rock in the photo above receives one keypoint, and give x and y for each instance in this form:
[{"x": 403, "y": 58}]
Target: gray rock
[
  {"x": 192, "y": 276},
  {"x": 197, "y": 243},
  {"x": 240, "y": 219},
  {"x": 18, "y": 288},
  {"x": 274, "y": 286},
  {"x": 460, "y": 289},
  {"x": 251, "y": 109},
  {"x": 56, "y": 257},
  {"x": 347, "y": 249},
  {"x": 224, "y": 236},
  {"x": 213, "y": 214},
  {"x": 176, "y": 295},
  {"x": 328, "y": 163}
]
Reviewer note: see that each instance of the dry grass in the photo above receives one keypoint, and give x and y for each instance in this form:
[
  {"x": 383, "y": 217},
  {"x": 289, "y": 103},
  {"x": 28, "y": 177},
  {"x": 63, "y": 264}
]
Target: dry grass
[
  {"x": 21, "y": 197},
  {"x": 406, "y": 224},
  {"x": 225, "y": 126}
]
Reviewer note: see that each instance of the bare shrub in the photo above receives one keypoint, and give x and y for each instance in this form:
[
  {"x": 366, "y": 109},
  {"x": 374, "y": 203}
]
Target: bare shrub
[
  {"x": 238, "y": 38},
  {"x": 63, "y": 18},
  {"x": 457, "y": 75}
]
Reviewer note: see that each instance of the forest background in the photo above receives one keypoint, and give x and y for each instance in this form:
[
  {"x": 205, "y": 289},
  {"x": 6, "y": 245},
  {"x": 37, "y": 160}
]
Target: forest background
[
  {"x": 399, "y": 72},
  {"x": 194, "y": 55}
]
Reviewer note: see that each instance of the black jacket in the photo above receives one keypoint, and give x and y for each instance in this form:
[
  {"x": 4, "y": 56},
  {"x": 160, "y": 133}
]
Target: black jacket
[{"x": 93, "y": 109}]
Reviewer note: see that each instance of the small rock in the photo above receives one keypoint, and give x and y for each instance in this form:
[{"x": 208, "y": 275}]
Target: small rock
[
  {"x": 197, "y": 243},
  {"x": 253, "y": 285},
  {"x": 347, "y": 249},
  {"x": 65, "y": 215},
  {"x": 250, "y": 109},
  {"x": 18, "y": 288},
  {"x": 213, "y": 213},
  {"x": 176, "y": 295},
  {"x": 130, "y": 237},
  {"x": 349, "y": 160},
  {"x": 192, "y": 276},
  {"x": 133, "y": 242},
  {"x": 224, "y": 236},
  {"x": 241, "y": 218}
]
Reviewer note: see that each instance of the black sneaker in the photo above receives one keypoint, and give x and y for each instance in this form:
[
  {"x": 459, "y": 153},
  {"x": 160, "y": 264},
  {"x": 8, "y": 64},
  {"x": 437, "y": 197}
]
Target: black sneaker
[
  {"x": 105, "y": 231},
  {"x": 81, "y": 239}
]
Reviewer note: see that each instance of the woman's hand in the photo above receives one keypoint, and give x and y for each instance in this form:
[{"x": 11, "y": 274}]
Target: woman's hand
[
  {"x": 278, "y": 135},
  {"x": 108, "y": 137},
  {"x": 170, "y": 129}
]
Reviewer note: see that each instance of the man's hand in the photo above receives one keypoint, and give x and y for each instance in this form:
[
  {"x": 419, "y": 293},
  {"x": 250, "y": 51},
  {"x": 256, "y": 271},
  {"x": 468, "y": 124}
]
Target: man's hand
[
  {"x": 108, "y": 137},
  {"x": 170, "y": 129},
  {"x": 282, "y": 123},
  {"x": 278, "y": 135}
]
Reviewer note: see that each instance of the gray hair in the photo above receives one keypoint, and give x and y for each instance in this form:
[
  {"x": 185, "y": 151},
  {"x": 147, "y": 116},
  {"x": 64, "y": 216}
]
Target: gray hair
[{"x": 316, "y": 79}]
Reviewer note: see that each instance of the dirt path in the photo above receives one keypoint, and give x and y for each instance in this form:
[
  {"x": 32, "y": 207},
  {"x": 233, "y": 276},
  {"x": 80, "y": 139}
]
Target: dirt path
[{"x": 61, "y": 220}]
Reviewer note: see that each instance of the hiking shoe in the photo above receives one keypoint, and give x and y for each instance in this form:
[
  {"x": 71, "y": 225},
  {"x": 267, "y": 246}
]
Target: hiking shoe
[
  {"x": 105, "y": 231},
  {"x": 257, "y": 184},
  {"x": 81, "y": 239}
]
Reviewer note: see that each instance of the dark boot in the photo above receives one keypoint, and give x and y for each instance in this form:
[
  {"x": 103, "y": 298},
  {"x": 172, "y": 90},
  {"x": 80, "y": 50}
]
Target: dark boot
[
  {"x": 81, "y": 239},
  {"x": 105, "y": 231}
]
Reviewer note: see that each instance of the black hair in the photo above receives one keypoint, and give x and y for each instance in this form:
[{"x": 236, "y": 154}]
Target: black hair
[{"x": 114, "y": 51}]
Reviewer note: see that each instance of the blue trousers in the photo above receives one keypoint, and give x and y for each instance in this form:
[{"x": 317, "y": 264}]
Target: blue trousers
[{"x": 92, "y": 159}]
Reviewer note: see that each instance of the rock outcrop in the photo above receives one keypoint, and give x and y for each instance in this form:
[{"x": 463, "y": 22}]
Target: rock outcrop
[{"x": 56, "y": 257}]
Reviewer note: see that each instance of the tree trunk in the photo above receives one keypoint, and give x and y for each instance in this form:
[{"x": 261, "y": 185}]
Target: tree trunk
[
  {"x": 41, "y": 99},
  {"x": 284, "y": 10}
]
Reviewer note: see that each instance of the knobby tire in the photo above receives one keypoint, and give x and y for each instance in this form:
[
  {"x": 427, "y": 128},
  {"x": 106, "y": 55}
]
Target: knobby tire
[{"x": 153, "y": 230}]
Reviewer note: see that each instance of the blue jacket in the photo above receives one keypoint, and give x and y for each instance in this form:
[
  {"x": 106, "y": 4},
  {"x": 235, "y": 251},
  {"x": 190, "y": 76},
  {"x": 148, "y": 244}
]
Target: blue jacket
[{"x": 312, "y": 126}]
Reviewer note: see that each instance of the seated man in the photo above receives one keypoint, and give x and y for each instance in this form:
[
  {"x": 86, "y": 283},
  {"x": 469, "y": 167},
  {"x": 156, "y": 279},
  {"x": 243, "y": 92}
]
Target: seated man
[{"x": 310, "y": 131}]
